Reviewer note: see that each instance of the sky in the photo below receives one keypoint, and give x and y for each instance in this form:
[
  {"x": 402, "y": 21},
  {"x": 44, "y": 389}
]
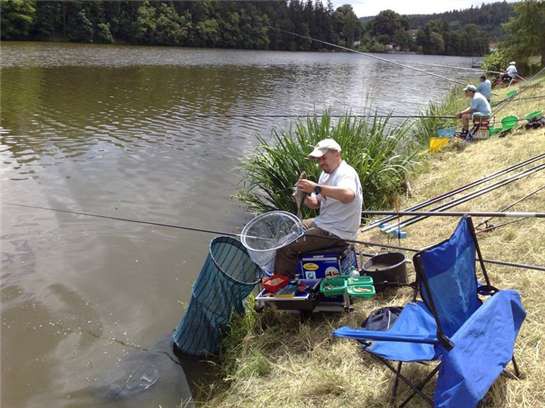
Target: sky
[{"x": 373, "y": 7}]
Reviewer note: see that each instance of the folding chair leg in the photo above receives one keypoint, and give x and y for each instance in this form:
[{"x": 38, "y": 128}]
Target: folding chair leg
[
  {"x": 396, "y": 383},
  {"x": 405, "y": 380},
  {"x": 515, "y": 366},
  {"x": 421, "y": 385}
]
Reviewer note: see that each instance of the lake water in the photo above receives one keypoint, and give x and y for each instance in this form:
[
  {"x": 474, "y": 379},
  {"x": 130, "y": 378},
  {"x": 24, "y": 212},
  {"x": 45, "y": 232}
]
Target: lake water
[{"x": 139, "y": 132}]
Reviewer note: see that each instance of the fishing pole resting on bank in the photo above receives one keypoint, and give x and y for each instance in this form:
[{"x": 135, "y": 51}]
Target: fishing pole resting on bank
[{"x": 231, "y": 234}]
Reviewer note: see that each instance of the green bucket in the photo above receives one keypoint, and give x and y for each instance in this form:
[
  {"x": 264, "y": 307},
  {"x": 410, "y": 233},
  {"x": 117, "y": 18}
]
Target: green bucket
[
  {"x": 509, "y": 122},
  {"x": 533, "y": 115}
]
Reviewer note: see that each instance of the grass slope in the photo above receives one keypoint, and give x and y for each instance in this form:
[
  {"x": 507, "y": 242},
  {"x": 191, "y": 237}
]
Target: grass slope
[{"x": 273, "y": 360}]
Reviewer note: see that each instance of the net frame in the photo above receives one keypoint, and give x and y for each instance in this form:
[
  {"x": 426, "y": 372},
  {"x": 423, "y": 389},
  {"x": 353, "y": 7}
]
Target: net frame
[{"x": 244, "y": 235}]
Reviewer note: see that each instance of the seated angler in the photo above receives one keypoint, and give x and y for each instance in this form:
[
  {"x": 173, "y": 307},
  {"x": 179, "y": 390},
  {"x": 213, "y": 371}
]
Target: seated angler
[
  {"x": 479, "y": 108},
  {"x": 485, "y": 87},
  {"x": 338, "y": 195},
  {"x": 510, "y": 73}
]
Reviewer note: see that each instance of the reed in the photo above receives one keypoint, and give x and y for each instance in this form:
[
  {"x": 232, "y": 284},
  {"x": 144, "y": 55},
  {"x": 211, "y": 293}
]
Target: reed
[{"x": 382, "y": 153}]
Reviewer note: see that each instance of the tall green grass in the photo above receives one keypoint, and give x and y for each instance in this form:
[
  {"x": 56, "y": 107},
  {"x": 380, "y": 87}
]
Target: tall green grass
[{"x": 381, "y": 152}]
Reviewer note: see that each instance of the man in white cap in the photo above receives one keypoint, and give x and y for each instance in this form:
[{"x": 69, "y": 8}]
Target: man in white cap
[
  {"x": 510, "y": 73},
  {"x": 479, "y": 107},
  {"x": 339, "y": 197}
]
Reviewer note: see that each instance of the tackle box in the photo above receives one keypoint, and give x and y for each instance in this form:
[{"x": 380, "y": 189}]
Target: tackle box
[{"x": 319, "y": 265}]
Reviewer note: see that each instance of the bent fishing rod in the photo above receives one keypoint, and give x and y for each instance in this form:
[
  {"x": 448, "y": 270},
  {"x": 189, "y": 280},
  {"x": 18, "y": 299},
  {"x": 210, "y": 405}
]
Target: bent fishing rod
[
  {"x": 311, "y": 114},
  {"x": 306, "y": 37},
  {"x": 513, "y": 214},
  {"x": 216, "y": 232}
]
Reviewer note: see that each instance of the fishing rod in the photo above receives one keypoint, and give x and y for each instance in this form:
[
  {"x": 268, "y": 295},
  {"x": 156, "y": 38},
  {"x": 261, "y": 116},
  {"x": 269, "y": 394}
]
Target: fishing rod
[
  {"x": 215, "y": 232},
  {"x": 467, "y": 197},
  {"x": 306, "y": 37},
  {"x": 493, "y": 227},
  {"x": 522, "y": 89},
  {"x": 459, "y": 68},
  {"x": 514, "y": 214},
  {"x": 490, "y": 261},
  {"x": 512, "y": 205},
  {"x": 463, "y": 188},
  {"x": 311, "y": 114}
]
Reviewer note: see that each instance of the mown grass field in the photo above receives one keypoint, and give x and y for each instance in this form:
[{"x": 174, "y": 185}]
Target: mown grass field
[{"x": 273, "y": 360}]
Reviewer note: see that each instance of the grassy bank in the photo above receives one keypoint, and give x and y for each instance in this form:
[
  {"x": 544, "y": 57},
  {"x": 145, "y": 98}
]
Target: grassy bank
[{"x": 272, "y": 359}]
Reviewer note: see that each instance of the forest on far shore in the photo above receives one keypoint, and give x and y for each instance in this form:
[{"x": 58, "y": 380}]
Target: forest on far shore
[{"x": 264, "y": 25}]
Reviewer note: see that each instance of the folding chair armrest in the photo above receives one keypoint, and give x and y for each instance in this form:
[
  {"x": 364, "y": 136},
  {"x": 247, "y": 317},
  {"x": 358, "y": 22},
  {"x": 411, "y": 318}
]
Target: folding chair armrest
[{"x": 362, "y": 334}]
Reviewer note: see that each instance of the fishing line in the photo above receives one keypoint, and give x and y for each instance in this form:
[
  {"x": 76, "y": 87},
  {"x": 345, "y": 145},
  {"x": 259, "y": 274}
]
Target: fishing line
[
  {"x": 459, "y": 68},
  {"x": 311, "y": 114},
  {"x": 209, "y": 231},
  {"x": 368, "y": 55}
]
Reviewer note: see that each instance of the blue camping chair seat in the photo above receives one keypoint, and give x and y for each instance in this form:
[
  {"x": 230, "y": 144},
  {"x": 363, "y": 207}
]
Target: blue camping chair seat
[{"x": 472, "y": 341}]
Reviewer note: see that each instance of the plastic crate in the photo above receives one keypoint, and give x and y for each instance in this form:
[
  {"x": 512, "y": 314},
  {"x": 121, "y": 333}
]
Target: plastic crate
[
  {"x": 333, "y": 286},
  {"x": 361, "y": 291}
]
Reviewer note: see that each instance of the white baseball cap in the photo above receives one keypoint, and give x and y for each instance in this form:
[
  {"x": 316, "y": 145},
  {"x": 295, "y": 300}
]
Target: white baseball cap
[
  {"x": 471, "y": 88},
  {"x": 323, "y": 146},
  {"x": 512, "y": 63}
]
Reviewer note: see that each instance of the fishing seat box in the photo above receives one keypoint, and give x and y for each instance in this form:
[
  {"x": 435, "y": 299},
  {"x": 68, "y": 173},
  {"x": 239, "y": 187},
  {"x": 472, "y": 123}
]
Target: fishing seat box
[
  {"x": 480, "y": 127},
  {"x": 312, "y": 268}
]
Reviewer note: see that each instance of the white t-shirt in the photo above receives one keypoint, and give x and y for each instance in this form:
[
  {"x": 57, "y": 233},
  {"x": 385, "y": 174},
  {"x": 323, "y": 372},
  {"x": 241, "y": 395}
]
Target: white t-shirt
[
  {"x": 511, "y": 71},
  {"x": 335, "y": 217}
]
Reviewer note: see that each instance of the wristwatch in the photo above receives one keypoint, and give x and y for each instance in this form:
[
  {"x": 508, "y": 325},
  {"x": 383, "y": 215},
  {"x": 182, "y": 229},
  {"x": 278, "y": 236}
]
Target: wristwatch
[{"x": 317, "y": 189}]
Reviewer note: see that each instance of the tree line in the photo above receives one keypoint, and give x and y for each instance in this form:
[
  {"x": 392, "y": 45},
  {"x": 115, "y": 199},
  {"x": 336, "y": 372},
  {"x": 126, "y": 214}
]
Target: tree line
[
  {"x": 460, "y": 32},
  {"x": 206, "y": 23},
  {"x": 265, "y": 25}
]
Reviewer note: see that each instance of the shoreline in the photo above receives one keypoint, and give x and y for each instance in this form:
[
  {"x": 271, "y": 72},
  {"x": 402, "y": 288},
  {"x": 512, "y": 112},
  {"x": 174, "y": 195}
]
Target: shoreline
[{"x": 65, "y": 41}]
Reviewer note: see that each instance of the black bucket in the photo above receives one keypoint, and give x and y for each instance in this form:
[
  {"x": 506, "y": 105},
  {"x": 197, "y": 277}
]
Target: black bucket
[{"x": 387, "y": 269}]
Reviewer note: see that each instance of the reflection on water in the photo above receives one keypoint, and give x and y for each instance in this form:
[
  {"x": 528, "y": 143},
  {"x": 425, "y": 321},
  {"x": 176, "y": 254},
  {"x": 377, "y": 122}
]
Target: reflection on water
[{"x": 138, "y": 132}]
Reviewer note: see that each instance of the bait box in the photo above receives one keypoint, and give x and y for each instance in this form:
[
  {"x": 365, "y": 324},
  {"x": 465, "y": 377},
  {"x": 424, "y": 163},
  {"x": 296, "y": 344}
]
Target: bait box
[
  {"x": 361, "y": 291},
  {"x": 333, "y": 286}
]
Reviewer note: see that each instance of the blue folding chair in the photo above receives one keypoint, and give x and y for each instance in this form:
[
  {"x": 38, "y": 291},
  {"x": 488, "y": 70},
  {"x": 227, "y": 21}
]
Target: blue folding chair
[{"x": 472, "y": 341}]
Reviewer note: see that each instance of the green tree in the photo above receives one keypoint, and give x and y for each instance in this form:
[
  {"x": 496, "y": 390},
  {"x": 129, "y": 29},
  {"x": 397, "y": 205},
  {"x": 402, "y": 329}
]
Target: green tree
[
  {"x": 80, "y": 28},
  {"x": 348, "y": 25},
  {"x": 526, "y": 31},
  {"x": 48, "y": 20},
  {"x": 146, "y": 23},
  {"x": 171, "y": 28},
  {"x": 103, "y": 34},
  {"x": 17, "y": 18}
]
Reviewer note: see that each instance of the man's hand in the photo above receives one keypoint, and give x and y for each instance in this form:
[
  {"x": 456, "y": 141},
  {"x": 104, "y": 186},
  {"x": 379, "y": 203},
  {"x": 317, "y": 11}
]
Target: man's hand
[{"x": 306, "y": 185}]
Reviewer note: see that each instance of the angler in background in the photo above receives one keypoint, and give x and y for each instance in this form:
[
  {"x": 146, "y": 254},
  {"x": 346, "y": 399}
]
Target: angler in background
[
  {"x": 339, "y": 197},
  {"x": 510, "y": 73},
  {"x": 479, "y": 108},
  {"x": 485, "y": 87}
]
